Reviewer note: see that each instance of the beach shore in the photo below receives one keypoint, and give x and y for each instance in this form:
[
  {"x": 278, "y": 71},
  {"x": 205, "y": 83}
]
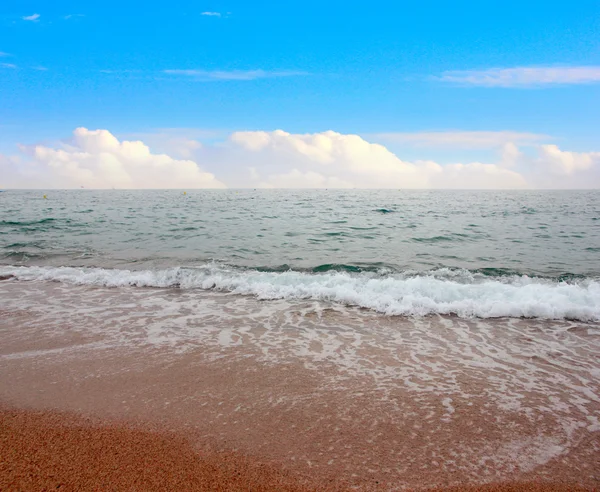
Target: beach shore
[
  {"x": 61, "y": 451},
  {"x": 133, "y": 389}
]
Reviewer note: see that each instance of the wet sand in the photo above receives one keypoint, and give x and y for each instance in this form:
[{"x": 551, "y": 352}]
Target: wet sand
[
  {"x": 49, "y": 451},
  {"x": 98, "y": 384},
  {"x": 58, "y": 451}
]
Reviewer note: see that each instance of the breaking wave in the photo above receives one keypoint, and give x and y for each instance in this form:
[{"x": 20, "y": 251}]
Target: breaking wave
[{"x": 443, "y": 291}]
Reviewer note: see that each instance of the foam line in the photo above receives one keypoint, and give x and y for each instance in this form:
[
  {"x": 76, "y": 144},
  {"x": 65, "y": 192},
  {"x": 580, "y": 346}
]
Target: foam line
[{"x": 443, "y": 291}]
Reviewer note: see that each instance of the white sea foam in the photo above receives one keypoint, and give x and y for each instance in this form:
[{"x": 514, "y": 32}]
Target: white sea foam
[{"x": 461, "y": 293}]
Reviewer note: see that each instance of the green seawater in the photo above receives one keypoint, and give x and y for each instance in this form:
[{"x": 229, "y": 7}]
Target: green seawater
[{"x": 540, "y": 233}]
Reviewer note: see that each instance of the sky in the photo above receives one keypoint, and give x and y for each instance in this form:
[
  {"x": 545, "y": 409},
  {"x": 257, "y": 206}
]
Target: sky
[{"x": 232, "y": 94}]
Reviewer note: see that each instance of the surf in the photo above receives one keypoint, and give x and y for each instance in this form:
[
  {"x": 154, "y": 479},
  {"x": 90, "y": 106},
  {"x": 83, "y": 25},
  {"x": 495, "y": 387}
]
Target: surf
[{"x": 443, "y": 291}]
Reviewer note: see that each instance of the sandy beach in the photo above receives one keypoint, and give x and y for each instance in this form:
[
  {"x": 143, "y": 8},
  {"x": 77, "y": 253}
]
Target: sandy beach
[
  {"x": 54, "y": 451},
  {"x": 47, "y": 451},
  {"x": 94, "y": 396}
]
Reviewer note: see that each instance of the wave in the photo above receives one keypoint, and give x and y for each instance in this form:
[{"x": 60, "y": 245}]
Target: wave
[
  {"x": 27, "y": 222},
  {"x": 443, "y": 291}
]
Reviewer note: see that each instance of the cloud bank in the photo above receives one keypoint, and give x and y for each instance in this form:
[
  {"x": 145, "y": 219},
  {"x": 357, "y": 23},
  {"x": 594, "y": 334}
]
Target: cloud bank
[
  {"x": 524, "y": 76},
  {"x": 97, "y": 159},
  {"x": 278, "y": 159}
]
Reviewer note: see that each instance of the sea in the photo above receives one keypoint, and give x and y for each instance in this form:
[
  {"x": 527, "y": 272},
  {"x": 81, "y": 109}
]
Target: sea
[
  {"x": 485, "y": 254},
  {"x": 466, "y": 323}
]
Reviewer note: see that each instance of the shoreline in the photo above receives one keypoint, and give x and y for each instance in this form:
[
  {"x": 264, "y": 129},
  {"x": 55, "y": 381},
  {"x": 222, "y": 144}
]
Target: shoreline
[
  {"x": 47, "y": 450},
  {"x": 331, "y": 396}
]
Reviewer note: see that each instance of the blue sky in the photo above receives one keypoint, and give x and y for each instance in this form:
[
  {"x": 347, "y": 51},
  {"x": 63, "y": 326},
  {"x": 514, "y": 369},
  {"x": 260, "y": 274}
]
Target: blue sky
[{"x": 369, "y": 69}]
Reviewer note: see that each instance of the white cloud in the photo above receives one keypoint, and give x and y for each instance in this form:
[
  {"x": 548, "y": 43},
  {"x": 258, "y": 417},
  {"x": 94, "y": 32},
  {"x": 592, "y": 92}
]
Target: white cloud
[
  {"x": 184, "y": 147},
  {"x": 462, "y": 139},
  {"x": 524, "y": 76},
  {"x": 40, "y": 69},
  {"x": 8, "y": 65},
  {"x": 328, "y": 148},
  {"x": 206, "y": 75},
  {"x": 254, "y": 175},
  {"x": 180, "y": 142},
  {"x": 211, "y": 14},
  {"x": 278, "y": 159},
  {"x": 118, "y": 72},
  {"x": 97, "y": 159},
  {"x": 299, "y": 179},
  {"x": 510, "y": 155},
  {"x": 73, "y": 16},
  {"x": 2, "y": 53},
  {"x": 337, "y": 160},
  {"x": 562, "y": 162},
  {"x": 477, "y": 176},
  {"x": 32, "y": 18}
]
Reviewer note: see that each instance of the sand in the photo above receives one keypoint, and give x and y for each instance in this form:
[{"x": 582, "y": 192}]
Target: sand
[
  {"x": 60, "y": 451},
  {"x": 130, "y": 389},
  {"x": 49, "y": 451}
]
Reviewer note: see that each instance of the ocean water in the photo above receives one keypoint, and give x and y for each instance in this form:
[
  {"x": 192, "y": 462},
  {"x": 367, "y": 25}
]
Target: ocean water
[{"x": 483, "y": 254}]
